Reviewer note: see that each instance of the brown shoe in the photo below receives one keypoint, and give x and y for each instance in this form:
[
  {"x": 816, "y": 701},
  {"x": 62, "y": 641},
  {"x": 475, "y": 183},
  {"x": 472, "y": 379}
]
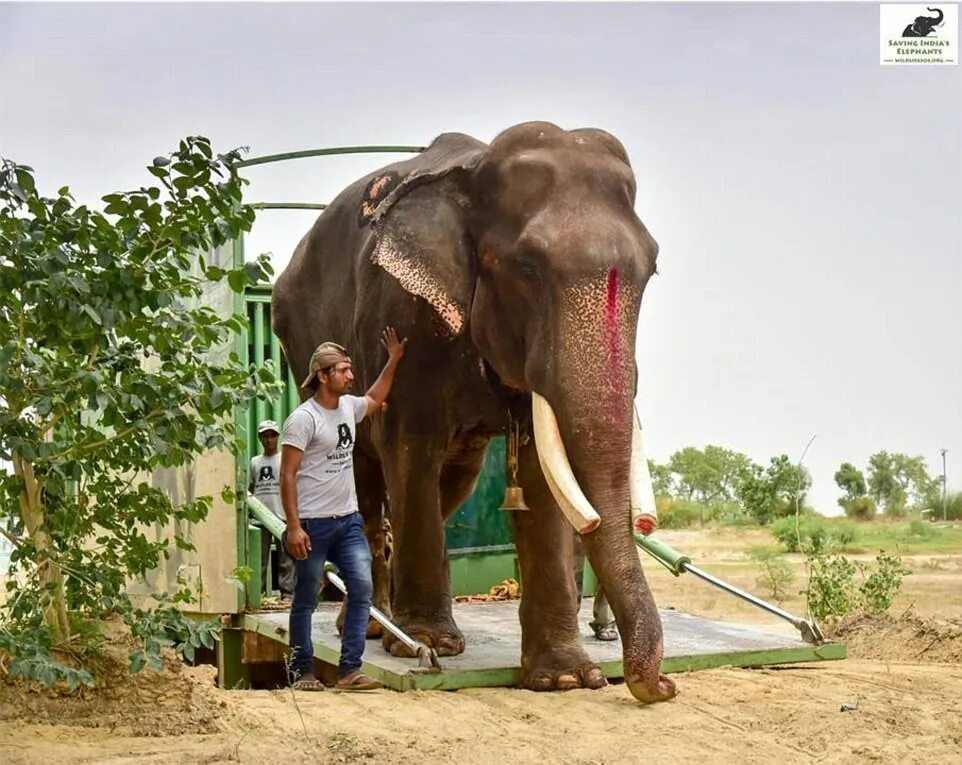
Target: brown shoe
[{"x": 357, "y": 681}]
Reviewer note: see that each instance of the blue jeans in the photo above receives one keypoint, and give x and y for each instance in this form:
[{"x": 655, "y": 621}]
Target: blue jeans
[{"x": 342, "y": 542}]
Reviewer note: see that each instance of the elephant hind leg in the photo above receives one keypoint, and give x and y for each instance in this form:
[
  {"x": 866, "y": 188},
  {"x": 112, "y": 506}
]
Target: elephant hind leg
[{"x": 421, "y": 598}]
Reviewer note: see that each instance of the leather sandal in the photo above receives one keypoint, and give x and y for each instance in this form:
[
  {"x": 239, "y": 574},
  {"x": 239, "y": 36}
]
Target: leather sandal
[
  {"x": 357, "y": 681},
  {"x": 606, "y": 632},
  {"x": 307, "y": 683}
]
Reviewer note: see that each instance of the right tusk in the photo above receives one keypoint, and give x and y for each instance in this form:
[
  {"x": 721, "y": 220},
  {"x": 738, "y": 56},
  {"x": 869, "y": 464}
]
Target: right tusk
[
  {"x": 642, "y": 492},
  {"x": 557, "y": 469}
]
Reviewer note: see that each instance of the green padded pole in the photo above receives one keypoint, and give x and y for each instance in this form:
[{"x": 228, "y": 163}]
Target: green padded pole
[
  {"x": 670, "y": 558},
  {"x": 268, "y": 520}
]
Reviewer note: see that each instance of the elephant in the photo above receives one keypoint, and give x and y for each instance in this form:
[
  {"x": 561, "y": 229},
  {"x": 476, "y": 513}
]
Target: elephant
[
  {"x": 923, "y": 25},
  {"x": 516, "y": 270}
]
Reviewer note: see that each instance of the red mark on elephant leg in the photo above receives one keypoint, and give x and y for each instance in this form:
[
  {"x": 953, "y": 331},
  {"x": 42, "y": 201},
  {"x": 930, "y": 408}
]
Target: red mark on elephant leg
[{"x": 611, "y": 323}]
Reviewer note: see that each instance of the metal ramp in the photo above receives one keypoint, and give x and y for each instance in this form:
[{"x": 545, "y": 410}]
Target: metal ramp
[{"x": 493, "y": 636}]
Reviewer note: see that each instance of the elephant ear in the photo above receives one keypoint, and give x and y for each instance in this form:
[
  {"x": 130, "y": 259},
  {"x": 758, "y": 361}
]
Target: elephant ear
[
  {"x": 417, "y": 219},
  {"x": 447, "y": 153}
]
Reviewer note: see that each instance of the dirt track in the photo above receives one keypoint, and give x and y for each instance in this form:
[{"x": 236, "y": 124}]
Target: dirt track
[{"x": 905, "y": 713}]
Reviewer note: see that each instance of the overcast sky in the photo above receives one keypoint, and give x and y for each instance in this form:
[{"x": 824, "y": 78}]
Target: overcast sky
[{"x": 806, "y": 200}]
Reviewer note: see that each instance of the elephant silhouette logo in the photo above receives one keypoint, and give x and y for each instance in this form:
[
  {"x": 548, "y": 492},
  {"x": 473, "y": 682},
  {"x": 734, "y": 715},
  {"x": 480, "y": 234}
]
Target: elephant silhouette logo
[
  {"x": 344, "y": 438},
  {"x": 266, "y": 474},
  {"x": 923, "y": 26}
]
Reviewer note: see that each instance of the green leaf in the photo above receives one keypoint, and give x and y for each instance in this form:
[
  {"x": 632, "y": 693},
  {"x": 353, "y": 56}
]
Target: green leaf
[
  {"x": 137, "y": 661},
  {"x": 25, "y": 180},
  {"x": 92, "y": 314},
  {"x": 207, "y": 639}
]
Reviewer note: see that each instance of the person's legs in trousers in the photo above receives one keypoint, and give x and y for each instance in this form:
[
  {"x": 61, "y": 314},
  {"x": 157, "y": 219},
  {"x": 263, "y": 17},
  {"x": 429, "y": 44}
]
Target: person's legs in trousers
[
  {"x": 308, "y": 573},
  {"x": 285, "y": 572},
  {"x": 603, "y": 623},
  {"x": 266, "y": 538},
  {"x": 352, "y": 555}
]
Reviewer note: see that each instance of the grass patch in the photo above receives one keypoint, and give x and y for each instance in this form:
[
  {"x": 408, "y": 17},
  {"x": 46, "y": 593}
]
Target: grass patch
[{"x": 912, "y": 537}]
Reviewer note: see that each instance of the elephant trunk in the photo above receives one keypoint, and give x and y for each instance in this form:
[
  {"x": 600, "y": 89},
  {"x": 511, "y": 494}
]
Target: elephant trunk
[
  {"x": 590, "y": 398},
  {"x": 936, "y": 22},
  {"x": 600, "y": 461}
]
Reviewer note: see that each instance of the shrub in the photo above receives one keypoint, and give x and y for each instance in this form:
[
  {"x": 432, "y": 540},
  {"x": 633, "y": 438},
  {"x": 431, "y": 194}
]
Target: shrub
[
  {"x": 861, "y": 509},
  {"x": 732, "y": 514},
  {"x": 678, "y": 513},
  {"x": 838, "y": 586},
  {"x": 812, "y": 535},
  {"x": 922, "y": 530},
  {"x": 777, "y": 575}
]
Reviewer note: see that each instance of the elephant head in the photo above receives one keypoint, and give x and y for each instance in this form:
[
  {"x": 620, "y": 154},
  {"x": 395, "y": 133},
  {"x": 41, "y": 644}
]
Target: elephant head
[
  {"x": 517, "y": 268},
  {"x": 923, "y": 25}
]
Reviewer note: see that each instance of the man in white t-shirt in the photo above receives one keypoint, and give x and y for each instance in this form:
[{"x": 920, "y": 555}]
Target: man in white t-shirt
[
  {"x": 320, "y": 505},
  {"x": 265, "y": 482}
]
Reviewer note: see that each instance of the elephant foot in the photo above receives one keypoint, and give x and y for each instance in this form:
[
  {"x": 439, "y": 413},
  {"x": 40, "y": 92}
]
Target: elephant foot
[
  {"x": 446, "y": 639},
  {"x": 562, "y": 672},
  {"x": 374, "y": 629},
  {"x": 651, "y": 690}
]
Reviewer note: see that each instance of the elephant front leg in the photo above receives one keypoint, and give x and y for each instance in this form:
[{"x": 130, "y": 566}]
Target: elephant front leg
[
  {"x": 421, "y": 600},
  {"x": 552, "y": 655}
]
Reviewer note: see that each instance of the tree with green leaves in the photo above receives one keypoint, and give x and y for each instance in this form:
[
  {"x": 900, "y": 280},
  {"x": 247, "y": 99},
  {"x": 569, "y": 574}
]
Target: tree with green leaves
[
  {"x": 854, "y": 501},
  {"x": 662, "y": 481},
  {"x": 109, "y": 372},
  {"x": 707, "y": 477},
  {"x": 898, "y": 482},
  {"x": 710, "y": 474},
  {"x": 775, "y": 491}
]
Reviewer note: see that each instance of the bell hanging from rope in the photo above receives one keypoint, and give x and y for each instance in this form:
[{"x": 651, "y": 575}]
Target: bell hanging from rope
[{"x": 513, "y": 496}]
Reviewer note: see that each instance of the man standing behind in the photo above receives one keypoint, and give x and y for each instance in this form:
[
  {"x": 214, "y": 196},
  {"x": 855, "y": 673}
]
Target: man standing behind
[
  {"x": 265, "y": 474},
  {"x": 320, "y": 505}
]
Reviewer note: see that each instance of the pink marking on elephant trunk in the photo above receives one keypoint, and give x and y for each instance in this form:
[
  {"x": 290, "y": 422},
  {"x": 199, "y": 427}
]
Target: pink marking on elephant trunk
[{"x": 612, "y": 334}]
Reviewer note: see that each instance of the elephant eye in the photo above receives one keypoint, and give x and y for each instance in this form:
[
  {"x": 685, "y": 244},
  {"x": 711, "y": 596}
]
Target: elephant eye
[{"x": 528, "y": 270}]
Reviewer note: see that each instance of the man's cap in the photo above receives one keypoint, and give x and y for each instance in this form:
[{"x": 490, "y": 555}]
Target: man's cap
[
  {"x": 266, "y": 425},
  {"x": 325, "y": 355}
]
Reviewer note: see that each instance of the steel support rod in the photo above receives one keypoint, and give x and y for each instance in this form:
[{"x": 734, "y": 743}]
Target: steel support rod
[
  {"x": 377, "y": 613},
  {"x": 268, "y": 158},
  {"x": 288, "y": 206}
]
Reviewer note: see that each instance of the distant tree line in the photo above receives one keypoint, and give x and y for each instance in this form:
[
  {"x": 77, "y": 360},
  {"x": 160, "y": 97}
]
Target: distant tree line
[
  {"x": 715, "y": 483},
  {"x": 893, "y": 484}
]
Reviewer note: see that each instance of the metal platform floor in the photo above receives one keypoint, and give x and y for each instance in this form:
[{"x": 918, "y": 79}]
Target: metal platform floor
[{"x": 493, "y": 637}]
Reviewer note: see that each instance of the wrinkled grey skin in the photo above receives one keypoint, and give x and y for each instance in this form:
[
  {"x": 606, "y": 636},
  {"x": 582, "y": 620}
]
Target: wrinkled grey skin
[
  {"x": 512, "y": 267},
  {"x": 923, "y": 25}
]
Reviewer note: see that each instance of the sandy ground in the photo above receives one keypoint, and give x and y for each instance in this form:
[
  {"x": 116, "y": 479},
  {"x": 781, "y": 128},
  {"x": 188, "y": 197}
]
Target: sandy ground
[{"x": 897, "y": 699}]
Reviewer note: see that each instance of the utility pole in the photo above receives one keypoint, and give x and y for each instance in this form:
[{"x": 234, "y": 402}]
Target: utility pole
[{"x": 944, "y": 482}]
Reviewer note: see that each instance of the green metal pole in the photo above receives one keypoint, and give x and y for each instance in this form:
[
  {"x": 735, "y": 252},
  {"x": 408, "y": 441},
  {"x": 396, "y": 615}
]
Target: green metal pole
[
  {"x": 288, "y": 206},
  {"x": 258, "y": 308},
  {"x": 327, "y": 152},
  {"x": 678, "y": 563},
  {"x": 267, "y": 519}
]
